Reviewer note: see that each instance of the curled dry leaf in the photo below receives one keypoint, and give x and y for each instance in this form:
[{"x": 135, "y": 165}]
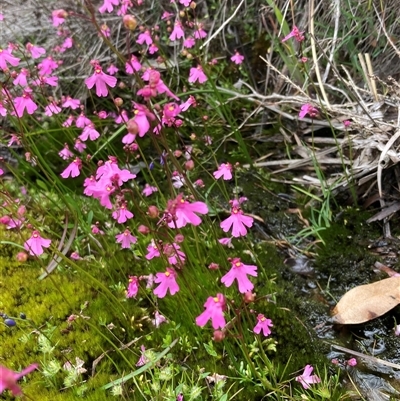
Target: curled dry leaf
[{"x": 367, "y": 302}]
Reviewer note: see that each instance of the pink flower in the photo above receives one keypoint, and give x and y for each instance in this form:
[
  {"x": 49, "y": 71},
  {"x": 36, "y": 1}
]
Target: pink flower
[
  {"x": 177, "y": 33},
  {"x": 82, "y": 121},
  {"x": 47, "y": 66},
  {"x": 101, "y": 80},
  {"x": 153, "y": 251},
  {"x": 65, "y": 153},
  {"x": 9, "y": 378},
  {"x": 263, "y": 324},
  {"x": 36, "y": 243},
  {"x": 167, "y": 282},
  {"x": 397, "y": 330},
  {"x": 224, "y": 170},
  {"x": 122, "y": 214},
  {"x": 148, "y": 190},
  {"x": 185, "y": 2},
  {"x": 108, "y": 6},
  {"x": 237, "y": 58},
  {"x": 145, "y": 37},
  {"x": 352, "y": 362},
  {"x": 226, "y": 242},
  {"x": 73, "y": 103},
  {"x": 79, "y": 145},
  {"x": 158, "y": 319},
  {"x": 7, "y": 57},
  {"x": 51, "y": 109},
  {"x": 133, "y": 287},
  {"x": 25, "y": 102},
  {"x": 183, "y": 212},
  {"x": 215, "y": 307},
  {"x": 308, "y": 109},
  {"x": 58, "y": 17},
  {"x": 143, "y": 358},
  {"x": 295, "y": 33},
  {"x": 306, "y": 378},
  {"x": 200, "y": 33},
  {"x": 35, "y": 51},
  {"x": 189, "y": 42},
  {"x": 239, "y": 271},
  {"x": 89, "y": 132},
  {"x": 73, "y": 169},
  {"x": 238, "y": 221},
  {"x": 21, "y": 78},
  {"x": 126, "y": 239},
  {"x": 153, "y": 49},
  {"x": 133, "y": 65},
  {"x": 197, "y": 74},
  {"x": 112, "y": 69}
]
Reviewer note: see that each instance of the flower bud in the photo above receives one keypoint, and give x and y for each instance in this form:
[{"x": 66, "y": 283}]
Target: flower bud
[
  {"x": 181, "y": 13},
  {"x": 153, "y": 212},
  {"x": 22, "y": 257},
  {"x": 213, "y": 266},
  {"x": 143, "y": 229},
  {"x": 129, "y": 22},
  {"x": 218, "y": 336},
  {"x": 189, "y": 165},
  {"x": 179, "y": 238},
  {"x": 177, "y": 153},
  {"x": 118, "y": 102},
  {"x": 249, "y": 297}
]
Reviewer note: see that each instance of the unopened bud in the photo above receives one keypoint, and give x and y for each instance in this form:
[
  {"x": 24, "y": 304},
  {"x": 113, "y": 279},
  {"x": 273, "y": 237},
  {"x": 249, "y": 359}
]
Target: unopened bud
[
  {"x": 189, "y": 165},
  {"x": 143, "y": 229},
  {"x": 178, "y": 153},
  {"x": 153, "y": 212},
  {"x": 129, "y": 22},
  {"x": 218, "y": 336},
  {"x": 22, "y": 257},
  {"x": 192, "y": 5},
  {"x": 118, "y": 102},
  {"x": 249, "y": 297},
  {"x": 182, "y": 13}
]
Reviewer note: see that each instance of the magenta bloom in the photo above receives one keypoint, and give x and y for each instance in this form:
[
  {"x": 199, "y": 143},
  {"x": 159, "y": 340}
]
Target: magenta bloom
[
  {"x": 133, "y": 287},
  {"x": 73, "y": 103},
  {"x": 7, "y": 57},
  {"x": 145, "y": 37},
  {"x": 126, "y": 239},
  {"x": 133, "y": 65},
  {"x": 35, "y": 51},
  {"x": 263, "y": 324},
  {"x": 295, "y": 33},
  {"x": 238, "y": 221},
  {"x": 183, "y": 212},
  {"x": 215, "y": 307},
  {"x": 167, "y": 282},
  {"x": 308, "y": 109},
  {"x": 237, "y": 58},
  {"x": 306, "y": 378},
  {"x": 122, "y": 214},
  {"x": 177, "y": 32},
  {"x": 36, "y": 243},
  {"x": 101, "y": 80},
  {"x": 153, "y": 251},
  {"x": 25, "y": 102},
  {"x": 224, "y": 171},
  {"x": 89, "y": 132},
  {"x": 148, "y": 190},
  {"x": 9, "y": 378},
  {"x": 239, "y": 271},
  {"x": 352, "y": 362},
  {"x": 73, "y": 169},
  {"x": 197, "y": 74},
  {"x": 108, "y": 6}
]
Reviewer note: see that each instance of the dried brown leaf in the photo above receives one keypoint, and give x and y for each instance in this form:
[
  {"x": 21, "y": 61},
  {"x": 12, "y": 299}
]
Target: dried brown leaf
[{"x": 367, "y": 302}]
